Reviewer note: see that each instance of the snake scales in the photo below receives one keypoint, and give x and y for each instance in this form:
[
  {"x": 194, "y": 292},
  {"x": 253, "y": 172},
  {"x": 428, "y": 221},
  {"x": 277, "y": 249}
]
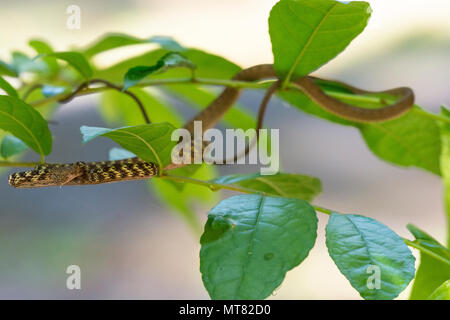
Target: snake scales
[{"x": 85, "y": 173}]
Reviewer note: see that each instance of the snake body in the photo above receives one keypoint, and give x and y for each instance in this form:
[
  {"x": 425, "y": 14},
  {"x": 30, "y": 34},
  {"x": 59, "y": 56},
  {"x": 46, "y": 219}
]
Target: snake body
[
  {"x": 81, "y": 173},
  {"x": 84, "y": 173}
]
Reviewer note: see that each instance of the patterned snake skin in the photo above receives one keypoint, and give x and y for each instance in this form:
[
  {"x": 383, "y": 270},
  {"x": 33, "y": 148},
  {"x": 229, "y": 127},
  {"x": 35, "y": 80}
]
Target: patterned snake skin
[{"x": 83, "y": 173}]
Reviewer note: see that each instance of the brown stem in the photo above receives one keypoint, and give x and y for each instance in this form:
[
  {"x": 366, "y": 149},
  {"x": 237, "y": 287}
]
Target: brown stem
[{"x": 108, "y": 84}]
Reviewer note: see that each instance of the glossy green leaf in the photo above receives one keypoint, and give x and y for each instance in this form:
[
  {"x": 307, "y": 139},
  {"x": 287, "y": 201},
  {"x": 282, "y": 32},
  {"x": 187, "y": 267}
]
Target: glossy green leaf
[
  {"x": 150, "y": 142},
  {"x": 365, "y": 251},
  {"x": 442, "y": 292},
  {"x": 12, "y": 146},
  {"x": 282, "y": 184},
  {"x": 117, "y": 40},
  {"x": 75, "y": 59},
  {"x": 120, "y": 154},
  {"x": 24, "y": 122},
  {"x": 251, "y": 241},
  {"x": 168, "y": 61},
  {"x": 119, "y": 109},
  {"x": 306, "y": 34},
  {"x": 8, "y": 88},
  {"x": 40, "y": 46},
  {"x": 434, "y": 267},
  {"x": 411, "y": 140}
]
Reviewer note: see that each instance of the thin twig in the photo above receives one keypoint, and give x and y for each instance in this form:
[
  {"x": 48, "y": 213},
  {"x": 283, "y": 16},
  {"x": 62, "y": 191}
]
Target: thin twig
[
  {"x": 18, "y": 164},
  {"x": 74, "y": 93},
  {"x": 85, "y": 85},
  {"x": 161, "y": 82},
  {"x": 132, "y": 95}
]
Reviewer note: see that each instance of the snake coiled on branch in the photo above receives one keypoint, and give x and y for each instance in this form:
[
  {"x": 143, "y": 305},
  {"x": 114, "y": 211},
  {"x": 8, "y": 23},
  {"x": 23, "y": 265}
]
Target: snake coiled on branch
[{"x": 86, "y": 173}]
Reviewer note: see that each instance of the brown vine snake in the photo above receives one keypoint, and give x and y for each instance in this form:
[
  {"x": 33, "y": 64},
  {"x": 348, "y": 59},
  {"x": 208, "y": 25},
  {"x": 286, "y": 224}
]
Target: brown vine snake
[{"x": 82, "y": 173}]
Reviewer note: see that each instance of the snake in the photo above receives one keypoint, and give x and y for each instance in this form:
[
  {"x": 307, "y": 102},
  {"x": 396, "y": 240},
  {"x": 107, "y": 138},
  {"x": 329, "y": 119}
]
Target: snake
[{"x": 87, "y": 173}]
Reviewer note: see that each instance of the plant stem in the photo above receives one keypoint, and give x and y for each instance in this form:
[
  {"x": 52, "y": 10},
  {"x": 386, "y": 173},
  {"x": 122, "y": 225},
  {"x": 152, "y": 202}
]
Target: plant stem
[
  {"x": 425, "y": 250},
  {"x": 18, "y": 164},
  {"x": 159, "y": 82},
  {"x": 324, "y": 210}
]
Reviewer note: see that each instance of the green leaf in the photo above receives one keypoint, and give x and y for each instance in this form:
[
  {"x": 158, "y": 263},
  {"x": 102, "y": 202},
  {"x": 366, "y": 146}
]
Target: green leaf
[
  {"x": 24, "y": 122},
  {"x": 168, "y": 61},
  {"x": 119, "y": 108},
  {"x": 75, "y": 59},
  {"x": 208, "y": 66},
  {"x": 120, "y": 154},
  {"x": 9, "y": 89},
  {"x": 12, "y": 146},
  {"x": 251, "y": 241},
  {"x": 282, "y": 184},
  {"x": 306, "y": 34},
  {"x": 442, "y": 292},
  {"x": 150, "y": 142},
  {"x": 431, "y": 272},
  {"x": 445, "y": 164},
  {"x": 411, "y": 140},
  {"x": 40, "y": 46},
  {"x": 117, "y": 40},
  {"x": 359, "y": 246}
]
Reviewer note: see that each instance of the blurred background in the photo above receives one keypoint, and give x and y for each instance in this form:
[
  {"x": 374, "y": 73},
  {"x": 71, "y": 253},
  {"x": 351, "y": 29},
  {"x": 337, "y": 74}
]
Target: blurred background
[{"x": 126, "y": 242}]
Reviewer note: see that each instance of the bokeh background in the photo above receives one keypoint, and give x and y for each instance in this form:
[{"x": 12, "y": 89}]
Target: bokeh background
[{"x": 126, "y": 242}]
